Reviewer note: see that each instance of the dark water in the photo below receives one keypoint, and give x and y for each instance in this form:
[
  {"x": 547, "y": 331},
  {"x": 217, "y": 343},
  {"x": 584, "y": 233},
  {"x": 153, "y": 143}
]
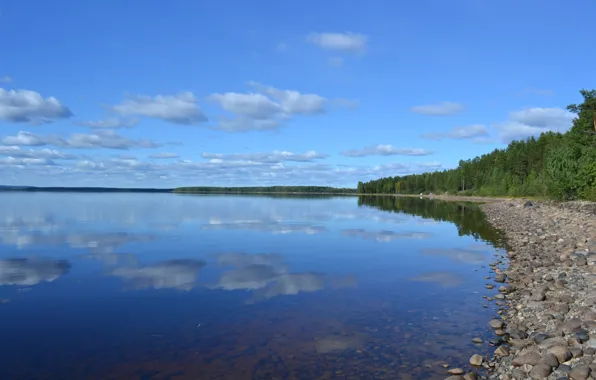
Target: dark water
[{"x": 165, "y": 286}]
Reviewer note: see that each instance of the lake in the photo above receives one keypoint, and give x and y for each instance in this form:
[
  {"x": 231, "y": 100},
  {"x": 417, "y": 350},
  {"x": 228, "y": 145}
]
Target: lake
[{"x": 171, "y": 286}]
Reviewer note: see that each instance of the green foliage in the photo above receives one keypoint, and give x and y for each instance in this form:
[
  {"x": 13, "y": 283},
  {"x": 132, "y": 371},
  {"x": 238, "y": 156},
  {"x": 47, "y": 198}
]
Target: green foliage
[
  {"x": 467, "y": 217},
  {"x": 554, "y": 165}
]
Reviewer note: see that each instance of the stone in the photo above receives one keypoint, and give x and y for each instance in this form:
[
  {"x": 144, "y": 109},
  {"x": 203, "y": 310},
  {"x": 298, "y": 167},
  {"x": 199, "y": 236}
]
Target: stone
[
  {"x": 502, "y": 351},
  {"x": 576, "y": 352},
  {"x": 477, "y": 340},
  {"x": 455, "y": 371},
  {"x": 571, "y": 325},
  {"x": 470, "y": 376},
  {"x": 580, "y": 372},
  {"x": 454, "y": 378},
  {"x": 496, "y": 324},
  {"x": 541, "y": 371},
  {"x": 476, "y": 360},
  {"x": 531, "y": 358},
  {"x": 539, "y": 338},
  {"x": 561, "y": 352},
  {"x": 538, "y": 296},
  {"x": 551, "y": 360}
]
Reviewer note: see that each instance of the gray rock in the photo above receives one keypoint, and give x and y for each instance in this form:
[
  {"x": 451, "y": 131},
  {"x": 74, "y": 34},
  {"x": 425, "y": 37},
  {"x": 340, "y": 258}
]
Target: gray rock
[
  {"x": 539, "y": 338},
  {"x": 561, "y": 352},
  {"x": 538, "y": 296},
  {"x": 576, "y": 352},
  {"x": 541, "y": 371},
  {"x": 456, "y": 371},
  {"x": 502, "y": 351},
  {"x": 551, "y": 342},
  {"x": 551, "y": 360},
  {"x": 580, "y": 372},
  {"x": 531, "y": 358},
  {"x": 571, "y": 325},
  {"x": 454, "y": 378},
  {"x": 476, "y": 360},
  {"x": 496, "y": 324}
]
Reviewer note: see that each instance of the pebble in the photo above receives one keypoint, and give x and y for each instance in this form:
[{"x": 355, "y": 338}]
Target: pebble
[
  {"x": 541, "y": 371},
  {"x": 476, "y": 360},
  {"x": 546, "y": 302},
  {"x": 580, "y": 372},
  {"x": 456, "y": 371}
]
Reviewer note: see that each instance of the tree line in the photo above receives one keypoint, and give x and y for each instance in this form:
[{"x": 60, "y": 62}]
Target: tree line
[
  {"x": 466, "y": 216},
  {"x": 556, "y": 165},
  {"x": 266, "y": 190}
]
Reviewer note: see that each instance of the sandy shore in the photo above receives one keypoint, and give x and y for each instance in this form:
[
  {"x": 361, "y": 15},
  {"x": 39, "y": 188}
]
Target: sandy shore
[{"x": 547, "y": 321}]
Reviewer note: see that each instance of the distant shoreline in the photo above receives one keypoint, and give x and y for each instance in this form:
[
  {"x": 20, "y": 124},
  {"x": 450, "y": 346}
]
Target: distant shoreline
[{"x": 273, "y": 190}]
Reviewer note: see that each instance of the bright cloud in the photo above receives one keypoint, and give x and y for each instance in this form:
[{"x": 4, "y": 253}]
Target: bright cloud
[
  {"x": 460, "y": 133},
  {"x": 164, "y": 155},
  {"x": 101, "y": 139},
  {"x": 273, "y": 157},
  {"x": 534, "y": 121},
  {"x": 268, "y": 108},
  {"x": 111, "y": 123},
  {"x": 25, "y": 106},
  {"x": 342, "y": 42},
  {"x": 385, "y": 150},
  {"x": 17, "y": 152},
  {"x": 182, "y": 108},
  {"x": 439, "y": 109}
]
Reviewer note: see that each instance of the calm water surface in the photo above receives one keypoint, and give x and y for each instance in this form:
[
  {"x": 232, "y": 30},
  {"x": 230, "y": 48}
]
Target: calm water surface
[{"x": 165, "y": 286}]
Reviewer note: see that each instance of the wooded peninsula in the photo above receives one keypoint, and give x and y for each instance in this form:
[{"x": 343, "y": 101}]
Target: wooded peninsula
[{"x": 559, "y": 166}]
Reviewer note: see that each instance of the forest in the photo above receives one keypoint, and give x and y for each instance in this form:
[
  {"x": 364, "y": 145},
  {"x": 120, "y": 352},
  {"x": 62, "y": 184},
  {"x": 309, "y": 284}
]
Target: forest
[
  {"x": 266, "y": 190},
  {"x": 466, "y": 216},
  {"x": 559, "y": 166}
]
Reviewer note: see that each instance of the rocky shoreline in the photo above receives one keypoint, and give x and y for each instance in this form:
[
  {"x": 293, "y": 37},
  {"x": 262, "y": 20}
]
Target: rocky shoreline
[{"x": 547, "y": 321}]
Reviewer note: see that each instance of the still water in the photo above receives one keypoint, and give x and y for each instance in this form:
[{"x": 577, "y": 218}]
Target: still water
[{"x": 166, "y": 286}]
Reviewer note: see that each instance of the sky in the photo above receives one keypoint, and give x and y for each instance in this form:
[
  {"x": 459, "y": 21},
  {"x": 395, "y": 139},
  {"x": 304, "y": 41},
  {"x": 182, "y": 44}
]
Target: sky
[{"x": 133, "y": 93}]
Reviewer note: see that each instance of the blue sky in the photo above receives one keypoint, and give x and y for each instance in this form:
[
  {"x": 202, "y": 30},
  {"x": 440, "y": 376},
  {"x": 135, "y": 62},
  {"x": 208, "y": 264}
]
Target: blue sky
[{"x": 161, "y": 94}]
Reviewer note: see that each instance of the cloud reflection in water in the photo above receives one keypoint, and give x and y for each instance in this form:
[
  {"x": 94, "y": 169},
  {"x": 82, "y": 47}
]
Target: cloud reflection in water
[
  {"x": 174, "y": 274},
  {"x": 28, "y": 272}
]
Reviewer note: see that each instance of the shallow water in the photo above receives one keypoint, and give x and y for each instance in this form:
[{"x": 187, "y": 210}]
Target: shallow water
[{"x": 166, "y": 286}]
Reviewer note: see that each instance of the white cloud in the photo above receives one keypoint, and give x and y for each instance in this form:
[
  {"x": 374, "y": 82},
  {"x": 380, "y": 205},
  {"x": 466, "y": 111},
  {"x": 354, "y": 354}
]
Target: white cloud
[
  {"x": 17, "y": 152},
  {"x": 439, "y": 109},
  {"x": 343, "y": 42},
  {"x": 470, "y": 132},
  {"x": 5, "y": 79},
  {"x": 384, "y": 236},
  {"x": 113, "y": 123},
  {"x": 12, "y": 161},
  {"x": 172, "y": 274},
  {"x": 102, "y": 139},
  {"x": 25, "y": 106},
  {"x": 268, "y": 108},
  {"x": 30, "y": 272},
  {"x": 386, "y": 150},
  {"x": 534, "y": 121},
  {"x": 272, "y": 157},
  {"x": 182, "y": 108},
  {"x": 164, "y": 155},
  {"x": 209, "y": 171}
]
